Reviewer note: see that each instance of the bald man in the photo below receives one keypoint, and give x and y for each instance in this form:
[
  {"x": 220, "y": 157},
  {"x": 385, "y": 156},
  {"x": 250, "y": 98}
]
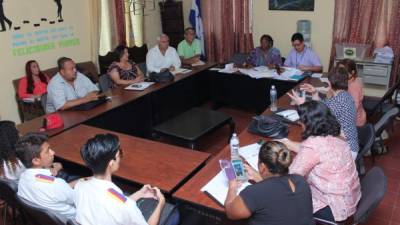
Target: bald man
[{"x": 162, "y": 56}]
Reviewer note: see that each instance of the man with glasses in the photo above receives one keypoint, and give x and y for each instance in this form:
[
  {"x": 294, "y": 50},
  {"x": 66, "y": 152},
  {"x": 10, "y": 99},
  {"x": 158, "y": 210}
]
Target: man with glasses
[
  {"x": 302, "y": 57},
  {"x": 98, "y": 200}
]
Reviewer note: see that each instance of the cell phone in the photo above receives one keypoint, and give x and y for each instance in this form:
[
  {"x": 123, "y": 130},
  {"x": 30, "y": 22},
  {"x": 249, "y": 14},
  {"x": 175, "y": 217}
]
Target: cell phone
[
  {"x": 226, "y": 166},
  {"x": 239, "y": 169}
]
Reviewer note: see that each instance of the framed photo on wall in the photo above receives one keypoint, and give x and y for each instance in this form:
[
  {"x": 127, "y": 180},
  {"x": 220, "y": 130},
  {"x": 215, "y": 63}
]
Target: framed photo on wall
[{"x": 293, "y": 5}]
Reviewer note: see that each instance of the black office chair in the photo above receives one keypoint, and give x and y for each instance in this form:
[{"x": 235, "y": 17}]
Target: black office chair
[
  {"x": 105, "y": 83},
  {"x": 39, "y": 215},
  {"x": 384, "y": 122},
  {"x": 142, "y": 66},
  {"x": 238, "y": 58},
  {"x": 375, "y": 104},
  {"x": 8, "y": 193},
  {"x": 366, "y": 138},
  {"x": 373, "y": 189}
]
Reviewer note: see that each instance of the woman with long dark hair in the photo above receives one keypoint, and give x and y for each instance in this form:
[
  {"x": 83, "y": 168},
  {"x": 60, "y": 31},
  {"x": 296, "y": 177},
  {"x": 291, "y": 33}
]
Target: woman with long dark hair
[
  {"x": 34, "y": 84},
  {"x": 124, "y": 71},
  {"x": 10, "y": 166},
  {"x": 325, "y": 160}
]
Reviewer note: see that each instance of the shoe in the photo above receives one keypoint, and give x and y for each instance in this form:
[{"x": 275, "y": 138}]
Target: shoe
[
  {"x": 2, "y": 30},
  {"x": 9, "y": 25}
]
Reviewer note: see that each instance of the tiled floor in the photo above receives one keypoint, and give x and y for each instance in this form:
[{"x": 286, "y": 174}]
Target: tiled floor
[{"x": 387, "y": 213}]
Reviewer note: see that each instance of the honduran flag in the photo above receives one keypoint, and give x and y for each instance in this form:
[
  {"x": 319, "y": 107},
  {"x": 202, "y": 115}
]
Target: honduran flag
[{"x": 197, "y": 23}]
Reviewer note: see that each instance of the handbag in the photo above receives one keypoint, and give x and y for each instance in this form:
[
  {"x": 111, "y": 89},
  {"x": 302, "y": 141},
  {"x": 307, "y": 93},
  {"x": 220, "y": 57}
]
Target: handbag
[
  {"x": 52, "y": 121},
  {"x": 268, "y": 126},
  {"x": 161, "y": 77}
]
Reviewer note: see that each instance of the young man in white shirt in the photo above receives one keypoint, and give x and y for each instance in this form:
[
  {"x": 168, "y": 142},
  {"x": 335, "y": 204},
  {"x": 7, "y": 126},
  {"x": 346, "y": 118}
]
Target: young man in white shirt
[
  {"x": 98, "y": 200},
  {"x": 38, "y": 183},
  {"x": 162, "y": 57}
]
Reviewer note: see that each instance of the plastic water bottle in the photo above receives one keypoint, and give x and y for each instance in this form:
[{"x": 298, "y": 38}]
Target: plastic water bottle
[
  {"x": 234, "y": 144},
  {"x": 273, "y": 96}
]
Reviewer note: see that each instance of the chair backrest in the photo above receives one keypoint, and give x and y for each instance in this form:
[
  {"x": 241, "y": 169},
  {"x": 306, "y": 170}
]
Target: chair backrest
[
  {"x": 41, "y": 215},
  {"x": 105, "y": 61},
  {"x": 388, "y": 95},
  {"x": 8, "y": 191},
  {"x": 89, "y": 69},
  {"x": 43, "y": 101},
  {"x": 366, "y": 138},
  {"x": 138, "y": 54},
  {"x": 72, "y": 222},
  {"x": 239, "y": 58},
  {"x": 105, "y": 83},
  {"x": 373, "y": 189},
  {"x": 385, "y": 120},
  {"x": 142, "y": 66}
]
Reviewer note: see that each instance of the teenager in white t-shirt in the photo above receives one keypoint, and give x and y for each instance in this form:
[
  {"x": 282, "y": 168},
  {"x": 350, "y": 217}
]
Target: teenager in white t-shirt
[{"x": 98, "y": 200}]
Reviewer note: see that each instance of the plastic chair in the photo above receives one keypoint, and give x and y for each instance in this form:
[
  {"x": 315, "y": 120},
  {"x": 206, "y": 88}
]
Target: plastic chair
[
  {"x": 373, "y": 189},
  {"x": 384, "y": 104},
  {"x": 105, "y": 83},
  {"x": 40, "y": 215},
  {"x": 382, "y": 124},
  {"x": 239, "y": 58},
  {"x": 366, "y": 138}
]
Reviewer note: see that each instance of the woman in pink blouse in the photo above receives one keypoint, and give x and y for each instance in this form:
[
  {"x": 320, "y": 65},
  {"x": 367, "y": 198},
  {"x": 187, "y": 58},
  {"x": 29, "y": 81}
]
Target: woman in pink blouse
[
  {"x": 325, "y": 160},
  {"x": 355, "y": 89}
]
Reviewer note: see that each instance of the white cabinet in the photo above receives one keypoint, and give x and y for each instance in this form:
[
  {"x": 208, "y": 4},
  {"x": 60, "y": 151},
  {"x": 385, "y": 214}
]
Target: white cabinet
[{"x": 372, "y": 72}]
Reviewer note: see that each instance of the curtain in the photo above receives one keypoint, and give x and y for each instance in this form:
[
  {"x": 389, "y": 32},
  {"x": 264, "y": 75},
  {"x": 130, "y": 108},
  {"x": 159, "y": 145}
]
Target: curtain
[
  {"x": 108, "y": 31},
  {"x": 133, "y": 24},
  {"x": 374, "y": 22},
  {"x": 94, "y": 6},
  {"x": 227, "y": 28},
  {"x": 120, "y": 20}
]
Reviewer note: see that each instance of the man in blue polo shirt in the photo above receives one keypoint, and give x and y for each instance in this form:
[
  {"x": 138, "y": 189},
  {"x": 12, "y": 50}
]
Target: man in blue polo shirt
[{"x": 69, "y": 88}]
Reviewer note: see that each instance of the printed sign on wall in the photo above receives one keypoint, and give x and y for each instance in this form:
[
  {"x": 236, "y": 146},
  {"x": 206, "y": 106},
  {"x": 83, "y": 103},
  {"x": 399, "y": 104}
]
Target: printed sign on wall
[{"x": 30, "y": 37}]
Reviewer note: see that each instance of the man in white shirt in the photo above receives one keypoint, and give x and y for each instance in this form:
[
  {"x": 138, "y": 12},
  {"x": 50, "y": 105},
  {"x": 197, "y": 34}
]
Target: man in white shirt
[
  {"x": 38, "y": 183},
  {"x": 98, "y": 200},
  {"x": 162, "y": 56}
]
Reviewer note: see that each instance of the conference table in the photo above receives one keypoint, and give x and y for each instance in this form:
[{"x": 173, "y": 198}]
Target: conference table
[
  {"x": 143, "y": 161},
  {"x": 131, "y": 115},
  {"x": 198, "y": 206}
]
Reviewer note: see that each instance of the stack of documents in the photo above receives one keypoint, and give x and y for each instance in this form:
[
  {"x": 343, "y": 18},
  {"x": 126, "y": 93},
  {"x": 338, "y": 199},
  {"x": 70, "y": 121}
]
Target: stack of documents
[
  {"x": 218, "y": 187},
  {"x": 265, "y": 72}
]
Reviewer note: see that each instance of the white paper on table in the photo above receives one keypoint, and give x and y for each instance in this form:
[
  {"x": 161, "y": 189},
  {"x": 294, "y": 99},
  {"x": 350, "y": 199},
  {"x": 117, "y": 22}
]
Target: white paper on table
[
  {"x": 250, "y": 153},
  {"x": 180, "y": 70},
  {"x": 199, "y": 63},
  {"x": 218, "y": 186},
  {"x": 316, "y": 75},
  {"x": 215, "y": 69},
  {"x": 323, "y": 90},
  {"x": 139, "y": 86},
  {"x": 324, "y": 80},
  {"x": 229, "y": 68},
  {"x": 29, "y": 100},
  {"x": 289, "y": 114},
  {"x": 257, "y": 74}
]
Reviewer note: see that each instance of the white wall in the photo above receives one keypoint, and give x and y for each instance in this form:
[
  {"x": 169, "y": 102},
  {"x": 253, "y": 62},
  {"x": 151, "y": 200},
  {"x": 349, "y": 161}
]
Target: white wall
[
  {"x": 282, "y": 24},
  {"x": 76, "y": 15}
]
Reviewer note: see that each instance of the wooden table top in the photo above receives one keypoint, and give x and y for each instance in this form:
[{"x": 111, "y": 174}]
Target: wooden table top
[
  {"x": 190, "y": 191},
  {"x": 144, "y": 161},
  {"x": 119, "y": 97}
]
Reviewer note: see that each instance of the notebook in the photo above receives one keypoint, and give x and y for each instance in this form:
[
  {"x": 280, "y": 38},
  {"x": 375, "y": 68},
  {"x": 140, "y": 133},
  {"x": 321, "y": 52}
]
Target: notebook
[
  {"x": 139, "y": 86},
  {"x": 217, "y": 188}
]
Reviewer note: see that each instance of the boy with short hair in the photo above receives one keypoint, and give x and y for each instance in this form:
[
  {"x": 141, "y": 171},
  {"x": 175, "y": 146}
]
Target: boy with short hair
[{"x": 38, "y": 183}]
